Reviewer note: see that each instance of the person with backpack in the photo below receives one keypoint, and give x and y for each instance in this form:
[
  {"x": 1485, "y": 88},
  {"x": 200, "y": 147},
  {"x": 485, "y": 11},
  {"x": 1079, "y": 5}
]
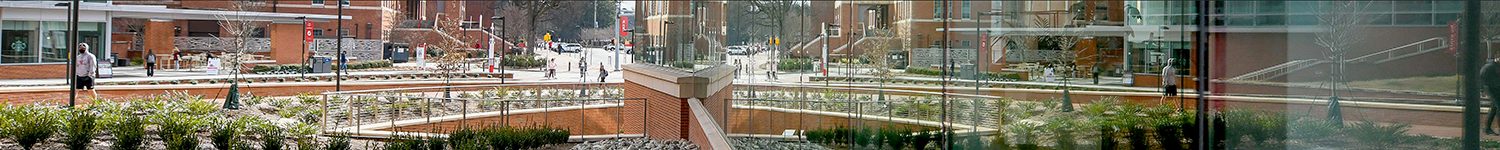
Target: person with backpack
[{"x": 602, "y": 73}]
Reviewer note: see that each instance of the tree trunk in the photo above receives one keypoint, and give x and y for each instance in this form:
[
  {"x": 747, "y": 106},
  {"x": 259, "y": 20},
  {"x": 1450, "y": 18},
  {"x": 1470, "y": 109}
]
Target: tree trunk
[{"x": 531, "y": 33}]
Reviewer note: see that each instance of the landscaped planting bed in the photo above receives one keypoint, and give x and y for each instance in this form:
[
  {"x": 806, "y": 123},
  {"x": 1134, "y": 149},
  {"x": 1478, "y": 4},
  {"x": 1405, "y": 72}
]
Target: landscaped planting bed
[{"x": 170, "y": 121}]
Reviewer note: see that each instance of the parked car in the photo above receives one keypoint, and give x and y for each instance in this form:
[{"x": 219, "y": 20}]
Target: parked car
[
  {"x": 737, "y": 50},
  {"x": 572, "y": 47}
]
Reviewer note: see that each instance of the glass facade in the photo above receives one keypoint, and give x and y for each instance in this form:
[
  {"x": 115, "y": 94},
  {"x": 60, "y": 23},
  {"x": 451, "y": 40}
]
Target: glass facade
[{"x": 46, "y": 41}]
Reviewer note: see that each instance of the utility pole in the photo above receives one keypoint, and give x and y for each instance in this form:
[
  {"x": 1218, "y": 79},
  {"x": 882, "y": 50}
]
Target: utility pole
[
  {"x": 947, "y": 69},
  {"x": 1201, "y": 42},
  {"x": 1471, "y": 58},
  {"x": 72, "y": 53},
  {"x": 339, "y": 73}
]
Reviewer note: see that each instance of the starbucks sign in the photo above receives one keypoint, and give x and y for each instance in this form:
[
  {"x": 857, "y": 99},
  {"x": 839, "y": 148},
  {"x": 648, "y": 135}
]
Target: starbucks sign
[{"x": 18, "y": 46}]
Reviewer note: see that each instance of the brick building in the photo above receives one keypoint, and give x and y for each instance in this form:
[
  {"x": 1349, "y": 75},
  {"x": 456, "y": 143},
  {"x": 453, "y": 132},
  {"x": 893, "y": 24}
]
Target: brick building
[
  {"x": 36, "y": 31},
  {"x": 681, "y": 30}
]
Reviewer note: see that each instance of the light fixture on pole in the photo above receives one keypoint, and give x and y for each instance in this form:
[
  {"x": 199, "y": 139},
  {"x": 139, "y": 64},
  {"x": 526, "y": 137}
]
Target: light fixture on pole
[{"x": 826, "y": 34}]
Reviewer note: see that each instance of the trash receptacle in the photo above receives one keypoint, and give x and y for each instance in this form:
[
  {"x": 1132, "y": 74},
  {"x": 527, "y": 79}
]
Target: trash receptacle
[
  {"x": 400, "y": 56},
  {"x": 968, "y": 71},
  {"x": 321, "y": 64}
]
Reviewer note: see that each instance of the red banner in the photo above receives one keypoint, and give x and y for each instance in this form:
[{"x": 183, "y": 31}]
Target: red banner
[
  {"x": 624, "y": 24},
  {"x": 307, "y": 31},
  {"x": 1453, "y": 37}
]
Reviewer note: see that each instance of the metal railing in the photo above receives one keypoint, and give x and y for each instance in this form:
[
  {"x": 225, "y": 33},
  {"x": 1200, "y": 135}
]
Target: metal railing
[
  {"x": 1403, "y": 51},
  {"x": 384, "y": 112},
  {"x": 1394, "y": 53},
  {"x": 1278, "y": 70}
]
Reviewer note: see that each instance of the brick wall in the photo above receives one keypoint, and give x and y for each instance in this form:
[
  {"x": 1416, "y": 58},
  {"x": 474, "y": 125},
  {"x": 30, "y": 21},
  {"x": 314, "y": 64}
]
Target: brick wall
[
  {"x": 718, "y": 102},
  {"x": 752, "y": 121},
  {"x": 53, "y": 71},
  {"x": 659, "y": 105},
  {"x": 597, "y": 121}
]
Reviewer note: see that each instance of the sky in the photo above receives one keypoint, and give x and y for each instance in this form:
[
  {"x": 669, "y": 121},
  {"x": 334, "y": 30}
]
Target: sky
[{"x": 627, "y": 5}]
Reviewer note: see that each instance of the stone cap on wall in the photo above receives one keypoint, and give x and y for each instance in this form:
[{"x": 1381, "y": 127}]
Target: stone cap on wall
[{"x": 699, "y": 84}]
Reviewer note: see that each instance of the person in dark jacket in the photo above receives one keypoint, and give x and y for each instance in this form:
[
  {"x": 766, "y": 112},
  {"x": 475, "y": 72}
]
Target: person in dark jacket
[{"x": 1489, "y": 76}]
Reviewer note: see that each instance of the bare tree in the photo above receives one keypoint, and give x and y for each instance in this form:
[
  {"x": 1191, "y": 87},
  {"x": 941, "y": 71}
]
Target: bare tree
[
  {"x": 238, "y": 36},
  {"x": 137, "y": 28},
  {"x": 536, "y": 12},
  {"x": 772, "y": 13},
  {"x": 453, "y": 49},
  {"x": 877, "y": 50},
  {"x": 1343, "y": 21},
  {"x": 237, "y": 40}
]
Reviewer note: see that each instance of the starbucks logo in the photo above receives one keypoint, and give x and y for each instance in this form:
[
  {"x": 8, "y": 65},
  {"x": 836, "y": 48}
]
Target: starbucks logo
[{"x": 18, "y": 45}]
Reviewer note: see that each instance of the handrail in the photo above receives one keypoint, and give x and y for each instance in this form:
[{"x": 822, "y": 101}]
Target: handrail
[
  {"x": 1399, "y": 48},
  {"x": 1291, "y": 66}
]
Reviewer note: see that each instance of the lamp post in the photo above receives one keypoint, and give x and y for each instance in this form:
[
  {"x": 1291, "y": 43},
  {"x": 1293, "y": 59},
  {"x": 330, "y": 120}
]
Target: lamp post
[
  {"x": 305, "y": 59},
  {"x": 826, "y": 34},
  {"x": 72, "y": 52}
]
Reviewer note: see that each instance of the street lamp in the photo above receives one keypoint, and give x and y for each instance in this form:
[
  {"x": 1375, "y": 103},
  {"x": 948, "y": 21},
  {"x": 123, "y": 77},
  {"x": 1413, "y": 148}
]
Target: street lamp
[{"x": 826, "y": 35}]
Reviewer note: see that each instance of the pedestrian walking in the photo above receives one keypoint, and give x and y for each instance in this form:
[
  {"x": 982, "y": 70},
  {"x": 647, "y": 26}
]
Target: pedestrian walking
[
  {"x": 1169, "y": 83},
  {"x": 84, "y": 71},
  {"x": 737, "y": 68},
  {"x": 176, "y": 58},
  {"x": 1490, "y": 77},
  {"x": 551, "y": 68},
  {"x": 150, "y": 63},
  {"x": 602, "y": 73},
  {"x": 583, "y": 70}
]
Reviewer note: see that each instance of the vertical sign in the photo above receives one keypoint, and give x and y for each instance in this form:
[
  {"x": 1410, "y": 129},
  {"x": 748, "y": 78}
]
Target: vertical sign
[
  {"x": 624, "y": 24},
  {"x": 1453, "y": 37},
  {"x": 307, "y": 34}
]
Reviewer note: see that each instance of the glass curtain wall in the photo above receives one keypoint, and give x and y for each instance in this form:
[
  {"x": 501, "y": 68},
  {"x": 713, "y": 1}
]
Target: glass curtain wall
[
  {"x": 46, "y": 41},
  {"x": 1277, "y": 74}
]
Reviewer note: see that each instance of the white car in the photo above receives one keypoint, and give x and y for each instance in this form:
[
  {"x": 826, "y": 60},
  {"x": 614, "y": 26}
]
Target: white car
[
  {"x": 737, "y": 50},
  {"x": 572, "y": 47}
]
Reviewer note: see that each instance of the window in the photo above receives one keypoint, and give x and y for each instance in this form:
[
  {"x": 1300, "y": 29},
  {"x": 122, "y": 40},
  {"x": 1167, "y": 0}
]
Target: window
[
  {"x": 937, "y": 9},
  {"x": 832, "y": 31},
  {"x": 34, "y": 42},
  {"x": 966, "y": 9},
  {"x": 1413, "y": 6},
  {"x": 317, "y": 2},
  {"x": 1413, "y": 19},
  {"x": 55, "y": 41},
  {"x": 20, "y": 42}
]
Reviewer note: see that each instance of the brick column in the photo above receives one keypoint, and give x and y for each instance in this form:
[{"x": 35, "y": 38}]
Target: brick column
[
  {"x": 667, "y": 90},
  {"x": 159, "y": 38},
  {"x": 287, "y": 45}
]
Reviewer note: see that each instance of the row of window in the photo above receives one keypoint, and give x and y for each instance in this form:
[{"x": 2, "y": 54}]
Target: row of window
[
  {"x": 965, "y": 9},
  {"x": 45, "y": 41}
]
